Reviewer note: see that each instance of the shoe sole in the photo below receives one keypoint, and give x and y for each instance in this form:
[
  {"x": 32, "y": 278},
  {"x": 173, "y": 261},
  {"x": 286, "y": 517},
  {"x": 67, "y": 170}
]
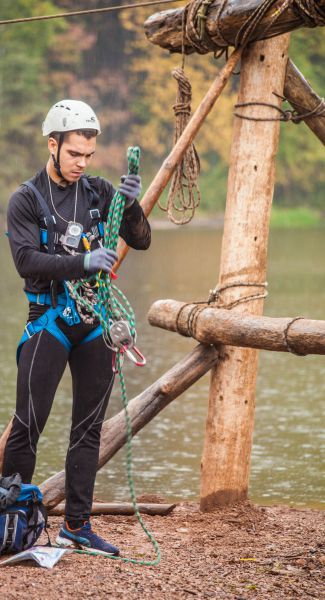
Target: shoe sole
[{"x": 65, "y": 543}]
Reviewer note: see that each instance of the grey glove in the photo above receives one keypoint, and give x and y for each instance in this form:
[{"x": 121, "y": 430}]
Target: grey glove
[
  {"x": 101, "y": 259},
  {"x": 130, "y": 187}
]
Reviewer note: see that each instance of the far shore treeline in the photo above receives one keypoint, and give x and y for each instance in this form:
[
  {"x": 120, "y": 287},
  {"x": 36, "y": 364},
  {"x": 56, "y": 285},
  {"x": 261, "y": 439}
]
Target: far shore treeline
[{"x": 107, "y": 61}]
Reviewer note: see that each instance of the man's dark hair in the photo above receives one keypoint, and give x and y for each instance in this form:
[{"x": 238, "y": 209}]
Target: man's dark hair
[{"x": 87, "y": 133}]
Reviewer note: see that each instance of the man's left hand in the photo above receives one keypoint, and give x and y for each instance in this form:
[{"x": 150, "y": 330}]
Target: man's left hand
[{"x": 130, "y": 187}]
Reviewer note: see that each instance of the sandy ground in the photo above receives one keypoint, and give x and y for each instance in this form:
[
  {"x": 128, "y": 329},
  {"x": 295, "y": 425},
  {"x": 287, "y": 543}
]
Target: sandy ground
[{"x": 236, "y": 554}]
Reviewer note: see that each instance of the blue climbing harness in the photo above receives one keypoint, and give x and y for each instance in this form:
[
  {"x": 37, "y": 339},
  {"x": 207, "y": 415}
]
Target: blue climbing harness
[
  {"x": 65, "y": 306},
  {"x": 66, "y": 309}
]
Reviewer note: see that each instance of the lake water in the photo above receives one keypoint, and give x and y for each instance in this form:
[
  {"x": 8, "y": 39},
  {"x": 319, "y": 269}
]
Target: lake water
[{"x": 289, "y": 439}]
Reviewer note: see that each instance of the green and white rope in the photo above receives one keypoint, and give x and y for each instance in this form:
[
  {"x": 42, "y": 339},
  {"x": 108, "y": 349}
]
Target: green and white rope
[{"x": 112, "y": 305}]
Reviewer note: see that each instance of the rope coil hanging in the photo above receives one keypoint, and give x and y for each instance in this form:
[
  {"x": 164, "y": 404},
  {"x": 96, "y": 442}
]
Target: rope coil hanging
[{"x": 184, "y": 194}]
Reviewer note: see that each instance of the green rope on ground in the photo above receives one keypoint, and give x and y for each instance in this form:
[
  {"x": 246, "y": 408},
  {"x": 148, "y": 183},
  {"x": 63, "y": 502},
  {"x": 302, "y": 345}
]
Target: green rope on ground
[
  {"x": 112, "y": 305},
  {"x": 147, "y": 563}
]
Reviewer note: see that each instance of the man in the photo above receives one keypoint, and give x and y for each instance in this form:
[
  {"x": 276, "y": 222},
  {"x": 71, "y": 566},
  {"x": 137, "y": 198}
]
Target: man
[{"x": 52, "y": 219}]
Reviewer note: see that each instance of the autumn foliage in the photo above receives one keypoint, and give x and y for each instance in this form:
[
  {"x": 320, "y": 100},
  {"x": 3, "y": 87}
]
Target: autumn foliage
[{"x": 107, "y": 61}]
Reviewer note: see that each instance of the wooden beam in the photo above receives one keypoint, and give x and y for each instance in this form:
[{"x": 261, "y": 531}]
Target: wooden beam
[
  {"x": 120, "y": 508},
  {"x": 230, "y": 422},
  {"x": 165, "y": 28},
  {"x": 303, "y": 99},
  {"x": 141, "y": 409},
  {"x": 169, "y": 165},
  {"x": 219, "y": 326}
]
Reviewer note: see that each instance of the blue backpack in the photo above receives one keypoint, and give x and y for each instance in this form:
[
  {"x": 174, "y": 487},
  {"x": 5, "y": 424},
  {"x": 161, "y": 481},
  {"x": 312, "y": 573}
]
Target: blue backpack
[{"x": 22, "y": 514}]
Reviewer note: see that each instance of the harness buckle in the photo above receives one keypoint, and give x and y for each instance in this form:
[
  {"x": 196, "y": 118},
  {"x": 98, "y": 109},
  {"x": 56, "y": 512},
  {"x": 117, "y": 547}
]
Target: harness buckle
[
  {"x": 94, "y": 213},
  {"x": 41, "y": 299},
  {"x": 29, "y": 328}
]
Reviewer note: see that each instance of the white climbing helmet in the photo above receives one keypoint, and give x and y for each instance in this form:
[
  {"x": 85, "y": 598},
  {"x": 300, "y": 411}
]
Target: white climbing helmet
[{"x": 70, "y": 115}]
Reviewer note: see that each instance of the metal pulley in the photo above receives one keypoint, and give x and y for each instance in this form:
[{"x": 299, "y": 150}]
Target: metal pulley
[
  {"x": 123, "y": 340},
  {"x": 120, "y": 334}
]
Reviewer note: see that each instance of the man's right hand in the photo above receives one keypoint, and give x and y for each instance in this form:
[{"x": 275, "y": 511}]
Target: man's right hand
[{"x": 101, "y": 259}]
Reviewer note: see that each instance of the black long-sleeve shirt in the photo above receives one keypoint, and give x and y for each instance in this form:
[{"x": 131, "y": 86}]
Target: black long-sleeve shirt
[{"x": 25, "y": 219}]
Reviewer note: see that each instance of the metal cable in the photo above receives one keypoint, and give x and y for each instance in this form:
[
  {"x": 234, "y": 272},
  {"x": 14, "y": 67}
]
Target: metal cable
[{"x": 91, "y": 11}]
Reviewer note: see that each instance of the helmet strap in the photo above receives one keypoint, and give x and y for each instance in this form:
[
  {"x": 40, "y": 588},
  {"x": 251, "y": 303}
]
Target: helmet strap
[{"x": 56, "y": 161}]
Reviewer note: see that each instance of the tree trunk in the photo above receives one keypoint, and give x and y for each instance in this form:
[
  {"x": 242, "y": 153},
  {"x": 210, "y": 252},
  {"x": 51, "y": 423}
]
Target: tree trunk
[
  {"x": 303, "y": 98},
  {"x": 165, "y": 28},
  {"x": 227, "y": 448},
  {"x": 141, "y": 410},
  {"x": 211, "y": 325}
]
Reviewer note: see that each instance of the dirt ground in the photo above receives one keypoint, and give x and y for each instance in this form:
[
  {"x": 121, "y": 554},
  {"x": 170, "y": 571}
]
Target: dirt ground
[{"x": 246, "y": 552}]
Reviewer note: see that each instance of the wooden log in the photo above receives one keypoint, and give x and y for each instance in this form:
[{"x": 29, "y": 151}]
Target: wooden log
[
  {"x": 303, "y": 99},
  {"x": 230, "y": 422},
  {"x": 141, "y": 410},
  {"x": 165, "y": 28},
  {"x": 120, "y": 508},
  {"x": 169, "y": 165},
  {"x": 220, "y": 326},
  {"x": 3, "y": 441}
]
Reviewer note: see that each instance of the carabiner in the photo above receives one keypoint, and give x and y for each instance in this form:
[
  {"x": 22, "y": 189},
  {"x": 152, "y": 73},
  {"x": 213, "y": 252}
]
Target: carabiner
[{"x": 140, "y": 363}]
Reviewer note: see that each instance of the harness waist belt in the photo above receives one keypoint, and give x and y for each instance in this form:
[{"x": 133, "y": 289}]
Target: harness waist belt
[{"x": 45, "y": 298}]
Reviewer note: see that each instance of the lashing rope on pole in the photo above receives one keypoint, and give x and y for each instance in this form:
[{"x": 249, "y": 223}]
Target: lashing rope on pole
[{"x": 112, "y": 306}]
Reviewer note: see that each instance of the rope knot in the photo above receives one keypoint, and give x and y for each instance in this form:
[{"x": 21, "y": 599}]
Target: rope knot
[{"x": 215, "y": 294}]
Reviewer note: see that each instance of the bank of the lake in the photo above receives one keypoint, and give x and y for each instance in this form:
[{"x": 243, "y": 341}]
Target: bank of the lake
[
  {"x": 241, "y": 553},
  {"x": 295, "y": 217}
]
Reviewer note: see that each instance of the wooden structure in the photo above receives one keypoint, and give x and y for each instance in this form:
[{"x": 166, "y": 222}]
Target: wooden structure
[
  {"x": 264, "y": 69},
  {"x": 238, "y": 332}
]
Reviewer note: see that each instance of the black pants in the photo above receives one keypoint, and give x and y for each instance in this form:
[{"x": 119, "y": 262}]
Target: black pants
[{"x": 41, "y": 365}]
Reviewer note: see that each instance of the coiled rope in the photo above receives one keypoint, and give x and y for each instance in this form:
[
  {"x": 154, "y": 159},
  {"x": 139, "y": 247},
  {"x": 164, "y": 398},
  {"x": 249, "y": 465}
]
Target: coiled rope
[
  {"x": 111, "y": 306},
  {"x": 184, "y": 194}
]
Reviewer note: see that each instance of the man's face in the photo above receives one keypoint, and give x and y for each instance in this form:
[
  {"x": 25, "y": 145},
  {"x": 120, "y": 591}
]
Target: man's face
[{"x": 75, "y": 154}]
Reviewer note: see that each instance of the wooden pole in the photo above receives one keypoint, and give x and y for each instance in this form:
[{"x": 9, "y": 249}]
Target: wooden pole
[
  {"x": 169, "y": 165},
  {"x": 141, "y": 409},
  {"x": 303, "y": 98},
  {"x": 210, "y": 325},
  {"x": 228, "y": 441}
]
